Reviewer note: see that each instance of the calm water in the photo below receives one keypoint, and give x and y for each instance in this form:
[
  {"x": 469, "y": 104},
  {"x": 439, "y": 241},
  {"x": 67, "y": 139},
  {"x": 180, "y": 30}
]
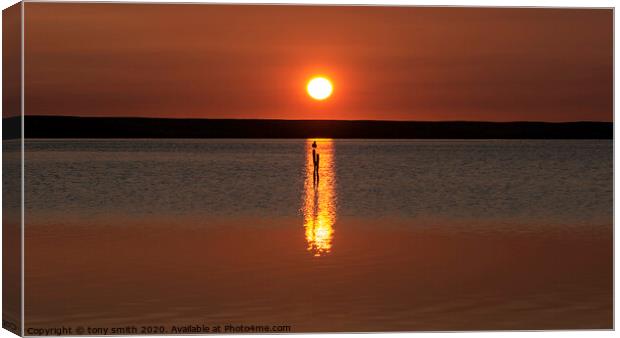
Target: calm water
[{"x": 396, "y": 235}]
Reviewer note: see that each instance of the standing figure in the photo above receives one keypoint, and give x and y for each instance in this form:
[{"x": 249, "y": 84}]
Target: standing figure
[{"x": 315, "y": 162}]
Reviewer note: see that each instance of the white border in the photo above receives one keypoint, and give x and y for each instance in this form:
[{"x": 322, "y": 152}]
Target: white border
[
  {"x": 476, "y": 3},
  {"x": 23, "y": 175}
]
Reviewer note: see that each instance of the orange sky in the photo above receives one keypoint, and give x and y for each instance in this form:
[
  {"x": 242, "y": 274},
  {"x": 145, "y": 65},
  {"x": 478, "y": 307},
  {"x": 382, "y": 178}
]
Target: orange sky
[{"x": 387, "y": 63}]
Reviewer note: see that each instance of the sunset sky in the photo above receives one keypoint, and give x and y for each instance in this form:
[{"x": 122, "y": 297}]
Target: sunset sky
[{"x": 386, "y": 63}]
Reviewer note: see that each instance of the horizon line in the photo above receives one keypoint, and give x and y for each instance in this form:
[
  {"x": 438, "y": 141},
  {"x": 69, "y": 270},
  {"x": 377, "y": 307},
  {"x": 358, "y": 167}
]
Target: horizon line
[{"x": 305, "y": 120}]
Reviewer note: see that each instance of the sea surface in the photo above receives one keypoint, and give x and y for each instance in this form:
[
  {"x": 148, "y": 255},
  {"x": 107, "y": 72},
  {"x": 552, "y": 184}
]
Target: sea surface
[{"x": 395, "y": 235}]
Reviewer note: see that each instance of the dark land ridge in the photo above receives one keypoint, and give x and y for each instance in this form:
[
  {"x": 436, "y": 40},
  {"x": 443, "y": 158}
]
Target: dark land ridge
[{"x": 133, "y": 127}]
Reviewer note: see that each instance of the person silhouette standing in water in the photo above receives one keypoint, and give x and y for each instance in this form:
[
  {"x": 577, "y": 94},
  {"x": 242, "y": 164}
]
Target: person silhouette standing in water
[{"x": 315, "y": 162}]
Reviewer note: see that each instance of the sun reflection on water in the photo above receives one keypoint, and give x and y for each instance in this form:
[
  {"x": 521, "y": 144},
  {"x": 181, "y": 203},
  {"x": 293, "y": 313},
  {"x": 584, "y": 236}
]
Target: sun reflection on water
[{"x": 319, "y": 200}]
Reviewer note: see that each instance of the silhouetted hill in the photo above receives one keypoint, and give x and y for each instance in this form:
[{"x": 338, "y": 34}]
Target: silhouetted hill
[{"x": 112, "y": 127}]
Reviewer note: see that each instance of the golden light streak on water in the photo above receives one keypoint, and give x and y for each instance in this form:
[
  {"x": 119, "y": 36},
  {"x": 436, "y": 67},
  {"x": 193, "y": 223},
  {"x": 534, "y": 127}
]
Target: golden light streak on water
[{"x": 319, "y": 197}]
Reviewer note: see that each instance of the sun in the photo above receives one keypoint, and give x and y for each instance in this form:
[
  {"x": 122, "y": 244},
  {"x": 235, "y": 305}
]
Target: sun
[{"x": 319, "y": 88}]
